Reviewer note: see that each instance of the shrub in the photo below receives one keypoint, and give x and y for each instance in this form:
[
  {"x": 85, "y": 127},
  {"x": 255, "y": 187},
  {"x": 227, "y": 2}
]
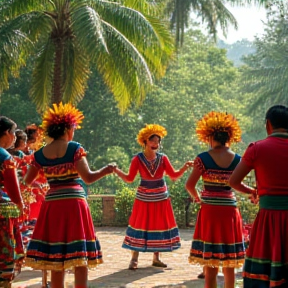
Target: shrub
[{"x": 124, "y": 200}]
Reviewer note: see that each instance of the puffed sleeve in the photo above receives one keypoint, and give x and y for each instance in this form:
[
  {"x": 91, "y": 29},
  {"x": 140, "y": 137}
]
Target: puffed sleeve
[
  {"x": 199, "y": 164},
  {"x": 133, "y": 169},
  {"x": 80, "y": 153},
  {"x": 33, "y": 161},
  {"x": 249, "y": 155},
  {"x": 169, "y": 169},
  {"x": 11, "y": 183}
]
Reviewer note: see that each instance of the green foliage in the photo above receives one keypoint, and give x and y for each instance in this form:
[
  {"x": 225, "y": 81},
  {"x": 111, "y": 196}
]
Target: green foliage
[
  {"x": 247, "y": 209},
  {"x": 124, "y": 200},
  {"x": 236, "y": 51},
  {"x": 185, "y": 211},
  {"x": 95, "y": 206},
  {"x": 266, "y": 73},
  {"x": 72, "y": 37},
  {"x": 212, "y": 13}
]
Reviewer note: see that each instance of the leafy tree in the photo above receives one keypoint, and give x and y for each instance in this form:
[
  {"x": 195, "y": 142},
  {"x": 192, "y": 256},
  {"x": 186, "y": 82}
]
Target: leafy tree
[
  {"x": 202, "y": 79},
  {"x": 123, "y": 40},
  {"x": 266, "y": 72},
  {"x": 11, "y": 57},
  {"x": 15, "y": 102},
  {"x": 236, "y": 51}
]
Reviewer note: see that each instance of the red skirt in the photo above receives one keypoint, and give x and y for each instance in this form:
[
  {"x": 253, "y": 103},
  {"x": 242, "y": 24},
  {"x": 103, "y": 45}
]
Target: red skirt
[
  {"x": 152, "y": 227},
  {"x": 218, "y": 237},
  {"x": 266, "y": 263},
  {"x": 64, "y": 236}
]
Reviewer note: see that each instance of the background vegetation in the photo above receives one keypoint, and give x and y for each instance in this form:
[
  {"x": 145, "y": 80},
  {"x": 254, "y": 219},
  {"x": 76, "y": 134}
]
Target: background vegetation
[{"x": 244, "y": 79}]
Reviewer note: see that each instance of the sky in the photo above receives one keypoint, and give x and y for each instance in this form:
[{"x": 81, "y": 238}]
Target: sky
[{"x": 249, "y": 23}]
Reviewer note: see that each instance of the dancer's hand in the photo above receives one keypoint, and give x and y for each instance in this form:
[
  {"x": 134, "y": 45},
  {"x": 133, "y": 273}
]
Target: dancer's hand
[
  {"x": 189, "y": 164},
  {"x": 254, "y": 198},
  {"x": 111, "y": 167}
]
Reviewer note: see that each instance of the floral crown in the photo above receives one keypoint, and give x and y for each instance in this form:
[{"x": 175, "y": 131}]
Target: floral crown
[
  {"x": 62, "y": 114},
  {"x": 149, "y": 130},
  {"x": 214, "y": 122}
]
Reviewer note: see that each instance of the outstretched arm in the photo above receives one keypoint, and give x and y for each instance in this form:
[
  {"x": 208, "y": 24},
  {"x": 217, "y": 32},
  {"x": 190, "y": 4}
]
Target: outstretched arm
[
  {"x": 171, "y": 172},
  {"x": 89, "y": 176},
  {"x": 133, "y": 170}
]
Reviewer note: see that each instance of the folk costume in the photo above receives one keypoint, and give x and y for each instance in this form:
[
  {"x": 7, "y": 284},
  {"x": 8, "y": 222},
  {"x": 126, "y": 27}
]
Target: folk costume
[
  {"x": 266, "y": 263},
  {"x": 11, "y": 247},
  {"x": 33, "y": 195},
  {"x": 152, "y": 226},
  {"x": 64, "y": 235},
  {"x": 218, "y": 237}
]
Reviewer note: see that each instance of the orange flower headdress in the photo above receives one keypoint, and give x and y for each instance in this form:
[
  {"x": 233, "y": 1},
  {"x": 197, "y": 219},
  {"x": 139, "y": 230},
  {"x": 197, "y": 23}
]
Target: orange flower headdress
[
  {"x": 149, "y": 130},
  {"x": 62, "y": 114},
  {"x": 214, "y": 122}
]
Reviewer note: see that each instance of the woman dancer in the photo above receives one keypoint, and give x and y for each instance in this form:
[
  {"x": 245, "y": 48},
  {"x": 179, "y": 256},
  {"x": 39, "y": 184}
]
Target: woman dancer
[{"x": 152, "y": 226}]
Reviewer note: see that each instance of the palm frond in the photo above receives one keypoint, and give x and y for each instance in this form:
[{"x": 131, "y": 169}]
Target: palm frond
[
  {"x": 125, "y": 73},
  {"x": 75, "y": 73},
  {"x": 13, "y": 47},
  {"x": 42, "y": 77},
  {"x": 146, "y": 32},
  {"x": 86, "y": 24},
  {"x": 14, "y": 8}
]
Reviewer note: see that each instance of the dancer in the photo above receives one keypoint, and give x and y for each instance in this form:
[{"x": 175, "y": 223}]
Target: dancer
[
  {"x": 218, "y": 237},
  {"x": 266, "y": 263},
  {"x": 152, "y": 226},
  {"x": 11, "y": 207},
  {"x": 64, "y": 236}
]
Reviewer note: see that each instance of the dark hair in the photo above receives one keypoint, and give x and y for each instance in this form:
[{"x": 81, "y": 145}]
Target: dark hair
[
  {"x": 278, "y": 116},
  {"x": 152, "y": 137},
  {"x": 20, "y": 136},
  {"x": 221, "y": 137},
  {"x": 57, "y": 130},
  {"x": 31, "y": 133},
  {"x": 6, "y": 124}
]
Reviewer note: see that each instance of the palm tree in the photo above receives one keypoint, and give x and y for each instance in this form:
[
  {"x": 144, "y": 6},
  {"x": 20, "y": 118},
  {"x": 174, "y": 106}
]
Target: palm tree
[
  {"x": 11, "y": 57},
  {"x": 124, "y": 40},
  {"x": 212, "y": 12}
]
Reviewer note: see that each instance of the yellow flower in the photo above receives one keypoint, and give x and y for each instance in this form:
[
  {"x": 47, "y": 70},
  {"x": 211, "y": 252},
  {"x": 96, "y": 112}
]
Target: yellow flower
[
  {"x": 62, "y": 114},
  {"x": 150, "y": 129},
  {"x": 214, "y": 122}
]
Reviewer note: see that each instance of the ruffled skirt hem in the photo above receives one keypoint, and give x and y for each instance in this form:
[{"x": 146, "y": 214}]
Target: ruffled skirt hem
[
  {"x": 59, "y": 266},
  {"x": 237, "y": 263}
]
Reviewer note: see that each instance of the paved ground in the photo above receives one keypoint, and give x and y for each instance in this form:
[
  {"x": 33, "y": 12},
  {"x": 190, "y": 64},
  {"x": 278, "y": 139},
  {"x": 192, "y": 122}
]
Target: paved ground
[{"x": 114, "y": 273}]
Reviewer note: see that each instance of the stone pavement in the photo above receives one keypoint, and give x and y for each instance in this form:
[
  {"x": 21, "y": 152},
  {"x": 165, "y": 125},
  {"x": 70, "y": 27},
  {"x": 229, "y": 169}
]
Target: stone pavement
[{"x": 114, "y": 273}]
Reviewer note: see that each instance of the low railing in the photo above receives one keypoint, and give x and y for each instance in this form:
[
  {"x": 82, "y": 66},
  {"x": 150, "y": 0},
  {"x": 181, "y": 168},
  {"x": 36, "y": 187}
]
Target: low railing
[{"x": 107, "y": 215}]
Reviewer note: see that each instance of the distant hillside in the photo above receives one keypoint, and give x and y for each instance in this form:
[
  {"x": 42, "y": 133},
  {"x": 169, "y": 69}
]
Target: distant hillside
[{"x": 237, "y": 50}]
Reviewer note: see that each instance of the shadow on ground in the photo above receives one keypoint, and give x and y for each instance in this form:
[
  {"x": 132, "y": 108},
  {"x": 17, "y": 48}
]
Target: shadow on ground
[{"x": 124, "y": 277}]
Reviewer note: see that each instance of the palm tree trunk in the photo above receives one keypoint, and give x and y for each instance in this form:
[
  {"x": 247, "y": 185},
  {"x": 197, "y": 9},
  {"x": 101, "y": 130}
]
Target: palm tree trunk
[{"x": 57, "y": 89}]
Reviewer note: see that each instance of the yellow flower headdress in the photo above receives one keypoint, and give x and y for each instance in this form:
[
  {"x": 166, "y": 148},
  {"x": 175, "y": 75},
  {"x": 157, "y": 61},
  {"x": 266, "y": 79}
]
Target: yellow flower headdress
[
  {"x": 214, "y": 122},
  {"x": 149, "y": 130},
  {"x": 62, "y": 114}
]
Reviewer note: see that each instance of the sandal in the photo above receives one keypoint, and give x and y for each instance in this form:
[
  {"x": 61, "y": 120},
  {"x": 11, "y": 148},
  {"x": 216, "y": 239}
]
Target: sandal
[
  {"x": 158, "y": 263},
  {"x": 133, "y": 265}
]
